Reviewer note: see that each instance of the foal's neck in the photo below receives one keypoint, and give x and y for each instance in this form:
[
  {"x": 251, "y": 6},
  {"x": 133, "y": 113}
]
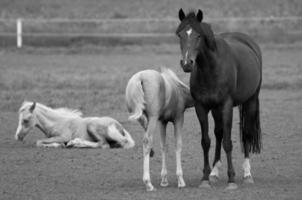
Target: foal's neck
[{"x": 46, "y": 119}]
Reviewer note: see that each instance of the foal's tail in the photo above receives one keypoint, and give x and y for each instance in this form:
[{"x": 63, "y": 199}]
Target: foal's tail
[
  {"x": 250, "y": 129},
  {"x": 135, "y": 97}
]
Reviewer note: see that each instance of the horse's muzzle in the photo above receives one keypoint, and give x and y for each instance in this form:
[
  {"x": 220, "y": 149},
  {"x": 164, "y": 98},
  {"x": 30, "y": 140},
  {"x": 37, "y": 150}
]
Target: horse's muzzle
[
  {"x": 186, "y": 67},
  {"x": 19, "y": 137}
]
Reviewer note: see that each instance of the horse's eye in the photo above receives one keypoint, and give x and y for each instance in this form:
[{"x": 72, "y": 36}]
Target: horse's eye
[{"x": 25, "y": 121}]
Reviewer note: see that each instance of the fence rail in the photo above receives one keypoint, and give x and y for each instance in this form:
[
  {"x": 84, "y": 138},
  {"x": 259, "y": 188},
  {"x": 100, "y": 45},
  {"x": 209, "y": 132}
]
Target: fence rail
[{"x": 21, "y": 23}]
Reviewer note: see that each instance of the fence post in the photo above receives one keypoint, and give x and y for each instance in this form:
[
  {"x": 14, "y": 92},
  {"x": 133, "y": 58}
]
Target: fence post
[{"x": 19, "y": 32}]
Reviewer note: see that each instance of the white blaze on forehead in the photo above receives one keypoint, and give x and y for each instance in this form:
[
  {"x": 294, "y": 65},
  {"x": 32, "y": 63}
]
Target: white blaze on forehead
[
  {"x": 189, "y": 32},
  {"x": 19, "y": 126}
]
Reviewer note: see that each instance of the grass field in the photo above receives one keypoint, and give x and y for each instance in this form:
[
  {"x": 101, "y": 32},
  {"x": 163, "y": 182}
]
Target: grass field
[{"x": 95, "y": 82}]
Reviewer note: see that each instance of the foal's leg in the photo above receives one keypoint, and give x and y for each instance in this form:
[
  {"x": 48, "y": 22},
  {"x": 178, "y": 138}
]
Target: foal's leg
[
  {"x": 97, "y": 132},
  {"x": 218, "y": 133},
  {"x": 227, "y": 118},
  {"x": 57, "y": 141},
  {"x": 147, "y": 144},
  {"x": 202, "y": 115},
  {"x": 178, "y": 144},
  {"x": 80, "y": 143},
  {"x": 163, "y": 145}
]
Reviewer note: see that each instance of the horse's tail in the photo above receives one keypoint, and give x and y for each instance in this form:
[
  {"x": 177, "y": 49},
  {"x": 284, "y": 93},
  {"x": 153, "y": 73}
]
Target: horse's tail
[
  {"x": 135, "y": 98},
  {"x": 250, "y": 129}
]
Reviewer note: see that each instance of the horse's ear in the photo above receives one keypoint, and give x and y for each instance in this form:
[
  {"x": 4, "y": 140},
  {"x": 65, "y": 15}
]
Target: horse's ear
[
  {"x": 181, "y": 14},
  {"x": 32, "y": 107},
  {"x": 199, "y": 15},
  {"x": 209, "y": 36}
]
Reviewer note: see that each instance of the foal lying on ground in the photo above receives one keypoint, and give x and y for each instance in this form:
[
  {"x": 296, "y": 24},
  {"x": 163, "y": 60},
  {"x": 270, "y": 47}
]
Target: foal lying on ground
[
  {"x": 154, "y": 99},
  {"x": 67, "y": 128}
]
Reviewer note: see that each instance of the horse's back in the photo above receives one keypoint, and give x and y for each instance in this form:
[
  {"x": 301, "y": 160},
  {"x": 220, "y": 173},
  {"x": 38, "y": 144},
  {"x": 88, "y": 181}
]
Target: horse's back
[
  {"x": 104, "y": 121},
  {"x": 236, "y": 39}
]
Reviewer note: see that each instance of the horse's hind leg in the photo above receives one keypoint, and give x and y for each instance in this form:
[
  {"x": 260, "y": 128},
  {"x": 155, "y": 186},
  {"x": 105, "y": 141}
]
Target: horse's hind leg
[
  {"x": 250, "y": 125},
  {"x": 227, "y": 118},
  {"x": 147, "y": 145},
  {"x": 163, "y": 145},
  {"x": 178, "y": 144},
  {"x": 218, "y": 134}
]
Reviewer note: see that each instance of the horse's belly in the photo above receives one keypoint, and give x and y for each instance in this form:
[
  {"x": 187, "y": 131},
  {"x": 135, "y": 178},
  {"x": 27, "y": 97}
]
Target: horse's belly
[{"x": 248, "y": 82}]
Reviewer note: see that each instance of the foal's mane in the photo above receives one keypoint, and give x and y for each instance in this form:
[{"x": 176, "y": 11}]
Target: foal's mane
[
  {"x": 66, "y": 112},
  {"x": 170, "y": 76}
]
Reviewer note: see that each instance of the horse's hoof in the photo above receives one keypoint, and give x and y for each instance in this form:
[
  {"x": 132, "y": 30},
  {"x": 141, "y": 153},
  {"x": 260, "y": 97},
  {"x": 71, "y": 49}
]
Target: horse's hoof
[
  {"x": 205, "y": 184},
  {"x": 231, "y": 186},
  {"x": 213, "y": 179},
  {"x": 248, "y": 180},
  {"x": 164, "y": 184}
]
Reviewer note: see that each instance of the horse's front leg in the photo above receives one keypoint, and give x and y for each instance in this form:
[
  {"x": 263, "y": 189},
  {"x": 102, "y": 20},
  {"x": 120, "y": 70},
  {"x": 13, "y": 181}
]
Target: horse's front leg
[
  {"x": 57, "y": 141},
  {"x": 163, "y": 145},
  {"x": 217, "y": 115},
  {"x": 147, "y": 145},
  {"x": 202, "y": 114},
  {"x": 227, "y": 119},
  {"x": 178, "y": 144}
]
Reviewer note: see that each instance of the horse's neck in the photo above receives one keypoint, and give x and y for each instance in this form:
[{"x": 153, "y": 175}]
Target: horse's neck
[
  {"x": 46, "y": 120},
  {"x": 207, "y": 67}
]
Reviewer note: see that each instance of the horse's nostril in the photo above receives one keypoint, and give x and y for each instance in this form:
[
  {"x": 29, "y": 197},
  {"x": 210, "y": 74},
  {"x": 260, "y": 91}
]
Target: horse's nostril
[
  {"x": 181, "y": 62},
  {"x": 191, "y": 62}
]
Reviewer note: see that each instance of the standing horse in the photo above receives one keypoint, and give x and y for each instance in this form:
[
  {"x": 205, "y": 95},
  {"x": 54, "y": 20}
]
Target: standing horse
[
  {"x": 154, "y": 99},
  {"x": 226, "y": 71},
  {"x": 65, "y": 127}
]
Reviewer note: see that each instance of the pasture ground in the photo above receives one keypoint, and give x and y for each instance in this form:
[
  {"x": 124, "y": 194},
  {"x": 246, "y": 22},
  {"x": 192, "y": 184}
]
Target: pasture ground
[{"x": 95, "y": 82}]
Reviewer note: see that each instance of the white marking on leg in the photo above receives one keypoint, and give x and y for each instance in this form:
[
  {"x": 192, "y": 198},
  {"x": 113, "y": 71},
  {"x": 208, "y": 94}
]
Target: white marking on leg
[
  {"x": 147, "y": 145},
  {"x": 146, "y": 175},
  {"x": 215, "y": 170},
  {"x": 246, "y": 168}
]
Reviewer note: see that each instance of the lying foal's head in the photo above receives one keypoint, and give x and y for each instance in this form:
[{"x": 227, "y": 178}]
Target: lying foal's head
[{"x": 26, "y": 120}]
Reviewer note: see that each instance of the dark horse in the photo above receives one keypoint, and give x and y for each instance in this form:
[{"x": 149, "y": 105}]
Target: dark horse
[{"x": 226, "y": 71}]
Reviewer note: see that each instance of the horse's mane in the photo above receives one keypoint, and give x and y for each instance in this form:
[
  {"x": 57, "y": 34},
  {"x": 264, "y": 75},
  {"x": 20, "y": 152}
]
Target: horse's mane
[
  {"x": 66, "y": 112},
  {"x": 170, "y": 76}
]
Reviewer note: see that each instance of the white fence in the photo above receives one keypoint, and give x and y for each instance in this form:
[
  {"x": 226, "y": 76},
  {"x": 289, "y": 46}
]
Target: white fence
[{"x": 20, "y": 25}]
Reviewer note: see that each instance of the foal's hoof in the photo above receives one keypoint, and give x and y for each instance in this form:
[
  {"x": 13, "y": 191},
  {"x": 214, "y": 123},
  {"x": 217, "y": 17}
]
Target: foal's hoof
[
  {"x": 205, "y": 184},
  {"x": 248, "y": 180},
  {"x": 181, "y": 184},
  {"x": 231, "y": 186},
  {"x": 150, "y": 188},
  {"x": 213, "y": 179}
]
